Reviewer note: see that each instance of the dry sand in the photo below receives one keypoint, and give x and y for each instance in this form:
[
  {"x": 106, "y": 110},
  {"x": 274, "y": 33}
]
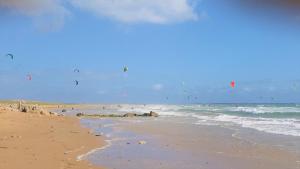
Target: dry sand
[{"x": 31, "y": 141}]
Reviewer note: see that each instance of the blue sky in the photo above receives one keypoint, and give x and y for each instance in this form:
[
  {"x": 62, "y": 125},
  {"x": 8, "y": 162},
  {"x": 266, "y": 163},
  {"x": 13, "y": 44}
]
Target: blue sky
[{"x": 173, "y": 48}]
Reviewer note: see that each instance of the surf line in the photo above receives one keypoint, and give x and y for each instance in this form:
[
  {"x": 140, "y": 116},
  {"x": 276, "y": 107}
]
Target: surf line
[{"x": 83, "y": 156}]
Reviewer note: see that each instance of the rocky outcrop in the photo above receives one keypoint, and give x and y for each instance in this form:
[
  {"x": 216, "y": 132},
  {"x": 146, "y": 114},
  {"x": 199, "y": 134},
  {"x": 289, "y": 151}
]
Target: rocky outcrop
[
  {"x": 79, "y": 114},
  {"x": 130, "y": 115},
  {"x": 24, "y": 109},
  {"x": 151, "y": 114},
  {"x": 34, "y": 109}
]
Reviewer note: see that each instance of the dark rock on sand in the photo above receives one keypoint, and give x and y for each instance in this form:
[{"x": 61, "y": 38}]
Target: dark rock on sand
[
  {"x": 130, "y": 115},
  {"x": 151, "y": 114},
  {"x": 24, "y": 109},
  {"x": 79, "y": 114}
]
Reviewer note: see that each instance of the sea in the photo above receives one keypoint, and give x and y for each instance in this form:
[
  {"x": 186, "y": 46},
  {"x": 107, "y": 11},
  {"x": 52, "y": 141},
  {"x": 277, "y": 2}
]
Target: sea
[{"x": 283, "y": 119}]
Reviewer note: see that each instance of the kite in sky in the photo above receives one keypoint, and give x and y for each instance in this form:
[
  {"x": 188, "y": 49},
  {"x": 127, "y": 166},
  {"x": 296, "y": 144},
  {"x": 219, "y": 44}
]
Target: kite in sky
[
  {"x": 11, "y": 56},
  {"x": 29, "y": 77},
  {"x": 76, "y": 82},
  {"x": 232, "y": 84},
  {"x": 125, "y": 69}
]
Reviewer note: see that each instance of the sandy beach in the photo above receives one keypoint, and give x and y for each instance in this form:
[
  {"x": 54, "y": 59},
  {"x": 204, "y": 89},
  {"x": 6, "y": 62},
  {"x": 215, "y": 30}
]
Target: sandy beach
[
  {"x": 32, "y": 141},
  {"x": 63, "y": 141}
]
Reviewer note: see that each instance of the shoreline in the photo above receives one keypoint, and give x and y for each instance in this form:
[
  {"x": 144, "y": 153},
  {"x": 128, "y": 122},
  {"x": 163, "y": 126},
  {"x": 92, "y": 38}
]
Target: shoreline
[
  {"x": 166, "y": 142},
  {"x": 48, "y": 142}
]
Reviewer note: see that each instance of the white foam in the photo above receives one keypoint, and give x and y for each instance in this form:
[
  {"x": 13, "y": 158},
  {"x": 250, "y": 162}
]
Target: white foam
[
  {"x": 83, "y": 156},
  {"x": 264, "y": 109},
  {"x": 215, "y": 115},
  {"x": 269, "y": 125}
]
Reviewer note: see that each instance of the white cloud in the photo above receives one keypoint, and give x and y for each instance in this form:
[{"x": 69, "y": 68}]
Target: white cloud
[
  {"x": 51, "y": 14},
  {"x": 134, "y": 11},
  {"x": 158, "y": 87}
]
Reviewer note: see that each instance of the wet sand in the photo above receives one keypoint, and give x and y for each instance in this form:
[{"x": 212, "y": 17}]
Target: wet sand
[
  {"x": 31, "y": 141},
  {"x": 215, "y": 147},
  {"x": 178, "y": 143}
]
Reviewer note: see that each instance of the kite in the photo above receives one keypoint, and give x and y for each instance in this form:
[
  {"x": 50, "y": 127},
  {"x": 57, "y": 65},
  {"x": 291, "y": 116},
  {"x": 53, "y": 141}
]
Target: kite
[
  {"x": 232, "y": 84},
  {"x": 11, "y": 56},
  {"x": 76, "y": 70},
  {"x": 29, "y": 77},
  {"x": 125, "y": 69},
  {"x": 76, "y": 82}
]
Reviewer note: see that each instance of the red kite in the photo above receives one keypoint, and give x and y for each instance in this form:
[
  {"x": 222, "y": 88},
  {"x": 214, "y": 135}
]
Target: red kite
[
  {"x": 29, "y": 77},
  {"x": 232, "y": 84}
]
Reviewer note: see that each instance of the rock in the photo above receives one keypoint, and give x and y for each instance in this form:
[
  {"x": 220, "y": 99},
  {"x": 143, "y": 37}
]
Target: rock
[
  {"x": 53, "y": 114},
  {"x": 130, "y": 115},
  {"x": 142, "y": 142},
  {"x": 24, "y": 109},
  {"x": 146, "y": 115},
  {"x": 153, "y": 114},
  {"x": 64, "y": 110},
  {"x": 44, "y": 112},
  {"x": 79, "y": 114},
  {"x": 34, "y": 108}
]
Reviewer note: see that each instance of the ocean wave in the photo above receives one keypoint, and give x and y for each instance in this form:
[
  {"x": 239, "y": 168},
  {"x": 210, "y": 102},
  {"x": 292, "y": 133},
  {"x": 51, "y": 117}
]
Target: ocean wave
[
  {"x": 269, "y": 125},
  {"x": 264, "y": 109},
  {"x": 277, "y": 119},
  {"x": 283, "y": 126}
]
